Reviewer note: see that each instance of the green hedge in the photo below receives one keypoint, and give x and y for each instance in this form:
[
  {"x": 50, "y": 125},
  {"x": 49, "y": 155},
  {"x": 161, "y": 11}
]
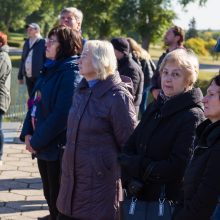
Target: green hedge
[{"x": 15, "y": 44}]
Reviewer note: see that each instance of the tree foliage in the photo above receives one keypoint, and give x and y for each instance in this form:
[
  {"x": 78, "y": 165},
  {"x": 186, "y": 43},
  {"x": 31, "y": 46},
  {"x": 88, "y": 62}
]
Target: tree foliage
[
  {"x": 13, "y": 12},
  {"x": 192, "y": 32},
  {"x": 198, "y": 45},
  {"x": 186, "y": 2},
  {"x": 145, "y": 20},
  {"x": 99, "y": 19}
]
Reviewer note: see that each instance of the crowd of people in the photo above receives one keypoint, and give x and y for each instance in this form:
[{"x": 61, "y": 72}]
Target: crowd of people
[{"x": 93, "y": 132}]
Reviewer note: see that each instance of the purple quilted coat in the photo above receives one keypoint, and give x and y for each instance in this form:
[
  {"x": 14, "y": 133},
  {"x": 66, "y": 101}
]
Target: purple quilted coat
[{"x": 100, "y": 121}]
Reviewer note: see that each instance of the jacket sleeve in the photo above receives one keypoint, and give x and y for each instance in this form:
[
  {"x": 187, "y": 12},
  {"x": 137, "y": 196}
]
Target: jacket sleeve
[
  {"x": 3, "y": 69},
  {"x": 123, "y": 117},
  {"x": 174, "y": 166},
  {"x": 20, "y": 72},
  {"x": 155, "y": 80},
  {"x": 56, "y": 122},
  {"x": 27, "y": 128},
  {"x": 205, "y": 199}
]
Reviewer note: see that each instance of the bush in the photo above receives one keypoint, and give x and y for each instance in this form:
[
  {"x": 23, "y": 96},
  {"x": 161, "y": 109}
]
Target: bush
[
  {"x": 210, "y": 44},
  {"x": 197, "y": 45},
  {"x": 14, "y": 44}
]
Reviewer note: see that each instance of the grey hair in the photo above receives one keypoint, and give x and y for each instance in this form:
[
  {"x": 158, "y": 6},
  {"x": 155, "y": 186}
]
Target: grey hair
[
  {"x": 76, "y": 13},
  {"x": 103, "y": 57}
]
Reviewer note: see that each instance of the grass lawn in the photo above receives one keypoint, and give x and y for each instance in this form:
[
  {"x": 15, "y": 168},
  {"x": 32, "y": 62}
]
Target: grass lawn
[{"x": 17, "y": 37}]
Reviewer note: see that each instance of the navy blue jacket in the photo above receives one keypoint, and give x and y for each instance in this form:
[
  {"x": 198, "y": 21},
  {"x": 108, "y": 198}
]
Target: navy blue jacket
[
  {"x": 38, "y": 58},
  {"x": 56, "y": 86}
]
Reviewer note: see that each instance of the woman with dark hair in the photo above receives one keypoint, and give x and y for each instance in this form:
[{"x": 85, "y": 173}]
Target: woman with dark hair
[
  {"x": 202, "y": 180},
  {"x": 44, "y": 129}
]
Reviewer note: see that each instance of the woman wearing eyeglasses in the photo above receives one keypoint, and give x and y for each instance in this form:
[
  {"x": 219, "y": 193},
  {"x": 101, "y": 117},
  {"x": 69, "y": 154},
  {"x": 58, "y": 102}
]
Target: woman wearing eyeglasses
[{"x": 44, "y": 128}]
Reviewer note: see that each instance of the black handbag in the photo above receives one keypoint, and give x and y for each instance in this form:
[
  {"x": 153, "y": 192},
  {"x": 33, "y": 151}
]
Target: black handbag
[{"x": 134, "y": 209}]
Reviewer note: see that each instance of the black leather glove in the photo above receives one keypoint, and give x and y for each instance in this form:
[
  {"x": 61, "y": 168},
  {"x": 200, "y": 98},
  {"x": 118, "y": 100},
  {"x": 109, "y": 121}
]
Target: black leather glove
[
  {"x": 131, "y": 164},
  {"x": 134, "y": 165}
]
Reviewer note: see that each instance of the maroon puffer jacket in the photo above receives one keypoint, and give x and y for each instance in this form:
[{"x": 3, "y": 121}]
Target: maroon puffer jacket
[{"x": 100, "y": 121}]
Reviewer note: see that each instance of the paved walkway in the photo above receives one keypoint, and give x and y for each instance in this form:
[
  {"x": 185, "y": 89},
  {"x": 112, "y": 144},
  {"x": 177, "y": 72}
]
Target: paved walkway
[{"x": 21, "y": 195}]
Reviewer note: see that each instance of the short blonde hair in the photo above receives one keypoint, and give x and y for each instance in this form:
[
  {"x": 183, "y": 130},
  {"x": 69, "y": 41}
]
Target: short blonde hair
[
  {"x": 75, "y": 12},
  {"x": 187, "y": 60},
  {"x": 103, "y": 57}
]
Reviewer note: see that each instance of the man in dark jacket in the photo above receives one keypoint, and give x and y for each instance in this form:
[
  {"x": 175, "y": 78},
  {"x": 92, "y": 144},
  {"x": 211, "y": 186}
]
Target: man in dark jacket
[
  {"x": 33, "y": 57},
  {"x": 128, "y": 67},
  {"x": 5, "y": 82},
  {"x": 173, "y": 39}
]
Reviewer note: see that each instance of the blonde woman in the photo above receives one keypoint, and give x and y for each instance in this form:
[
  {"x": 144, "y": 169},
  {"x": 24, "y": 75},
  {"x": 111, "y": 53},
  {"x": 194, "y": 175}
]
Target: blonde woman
[
  {"x": 157, "y": 152},
  {"x": 142, "y": 57},
  {"x": 100, "y": 120}
]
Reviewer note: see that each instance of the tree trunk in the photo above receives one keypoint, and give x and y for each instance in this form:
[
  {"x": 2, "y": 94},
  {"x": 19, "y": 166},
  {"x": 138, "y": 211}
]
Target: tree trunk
[{"x": 146, "y": 41}]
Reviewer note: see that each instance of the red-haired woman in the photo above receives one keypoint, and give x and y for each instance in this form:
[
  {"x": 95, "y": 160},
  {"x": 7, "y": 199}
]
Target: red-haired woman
[{"x": 5, "y": 83}]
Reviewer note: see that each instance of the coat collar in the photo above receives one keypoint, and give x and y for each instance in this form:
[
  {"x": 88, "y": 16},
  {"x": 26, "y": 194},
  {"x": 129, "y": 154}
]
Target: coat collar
[
  {"x": 101, "y": 87},
  {"x": 208, "y": 133},
  {"x": 191, "y": 98}
]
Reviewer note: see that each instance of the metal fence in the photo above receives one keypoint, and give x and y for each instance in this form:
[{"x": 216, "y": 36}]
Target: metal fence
[{"x": 18, "y": 107}]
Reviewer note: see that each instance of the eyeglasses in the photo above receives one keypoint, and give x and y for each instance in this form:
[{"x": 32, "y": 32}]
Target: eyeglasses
[{"x": 50, "y": 41}]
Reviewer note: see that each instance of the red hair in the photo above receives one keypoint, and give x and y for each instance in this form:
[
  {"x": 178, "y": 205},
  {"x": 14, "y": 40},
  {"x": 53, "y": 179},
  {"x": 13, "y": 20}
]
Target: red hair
[{"x": 3, "y": 38}]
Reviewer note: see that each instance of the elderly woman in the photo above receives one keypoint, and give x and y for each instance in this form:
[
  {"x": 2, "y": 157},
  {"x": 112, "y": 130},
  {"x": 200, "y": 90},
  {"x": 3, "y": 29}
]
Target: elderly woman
[
  {"x": 44, "y": 129},
  {"x": 202, "y": 180},
  {"x": 101, "y": 119},
  {"x": 156, "y": 154}
]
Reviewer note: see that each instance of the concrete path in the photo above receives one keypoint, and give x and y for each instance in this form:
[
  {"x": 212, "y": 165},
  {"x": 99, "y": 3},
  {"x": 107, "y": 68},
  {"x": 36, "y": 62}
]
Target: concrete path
[{"x": 21, "y": 195}]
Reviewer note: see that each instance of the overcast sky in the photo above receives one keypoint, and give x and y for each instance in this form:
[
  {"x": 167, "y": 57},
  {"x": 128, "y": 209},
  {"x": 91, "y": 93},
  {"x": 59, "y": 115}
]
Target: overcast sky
[{"x": 206, "y": 17}]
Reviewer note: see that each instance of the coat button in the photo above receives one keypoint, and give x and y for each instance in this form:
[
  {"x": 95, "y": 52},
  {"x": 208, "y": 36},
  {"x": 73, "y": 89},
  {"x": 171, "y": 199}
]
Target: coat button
[{"x": 99, "y": 173}]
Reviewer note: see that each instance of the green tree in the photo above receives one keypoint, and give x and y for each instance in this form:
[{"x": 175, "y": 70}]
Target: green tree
[
  {"x": 148, "y": 19},
  {"x": 186, "y": 2},
  {"x": 192, "y": 32},
  {"x": 45, "y": 16},
  {"x": 13, "y": 12},
  {"x": 99, "y": 17}
]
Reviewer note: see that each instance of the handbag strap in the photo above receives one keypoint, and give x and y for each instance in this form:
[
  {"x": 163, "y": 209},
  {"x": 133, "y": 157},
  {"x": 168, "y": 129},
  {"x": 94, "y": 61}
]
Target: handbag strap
[{"x": 163, "y": 192}]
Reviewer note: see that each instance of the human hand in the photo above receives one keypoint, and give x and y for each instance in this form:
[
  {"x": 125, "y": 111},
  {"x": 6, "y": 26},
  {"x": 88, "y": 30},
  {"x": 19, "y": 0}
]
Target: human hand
[
  {"x": 155, "y": 93},
  {"x": 28, "y": 144},
  {"x": 20, "y": 81}
]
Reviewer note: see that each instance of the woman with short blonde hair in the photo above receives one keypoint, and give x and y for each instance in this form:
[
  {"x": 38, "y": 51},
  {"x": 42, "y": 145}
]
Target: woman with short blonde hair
[
  {"x": 187, "y": 61},
  {"x": 156, "y": 154},
  {"x": 100, "y": 120},
  {"x": 103, "y": 58}
]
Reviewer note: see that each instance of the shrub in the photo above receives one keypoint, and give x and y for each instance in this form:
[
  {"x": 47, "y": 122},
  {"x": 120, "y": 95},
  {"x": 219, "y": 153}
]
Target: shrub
[
  {"x": 14, "y": 44},
  {"x": 210, "y": 44},
  {"x": 197, "y": 45}
]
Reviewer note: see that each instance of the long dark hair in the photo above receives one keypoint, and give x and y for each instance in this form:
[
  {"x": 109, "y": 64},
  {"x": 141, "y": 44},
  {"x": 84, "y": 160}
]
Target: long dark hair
[{"x": 70, "y": 41}]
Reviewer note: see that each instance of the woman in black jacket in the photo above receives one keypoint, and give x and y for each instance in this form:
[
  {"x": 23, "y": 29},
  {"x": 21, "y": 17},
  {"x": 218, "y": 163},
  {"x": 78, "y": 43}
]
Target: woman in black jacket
[
  {"x": 156, "y": 154},
  {"x": 202, "y": 180}
]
